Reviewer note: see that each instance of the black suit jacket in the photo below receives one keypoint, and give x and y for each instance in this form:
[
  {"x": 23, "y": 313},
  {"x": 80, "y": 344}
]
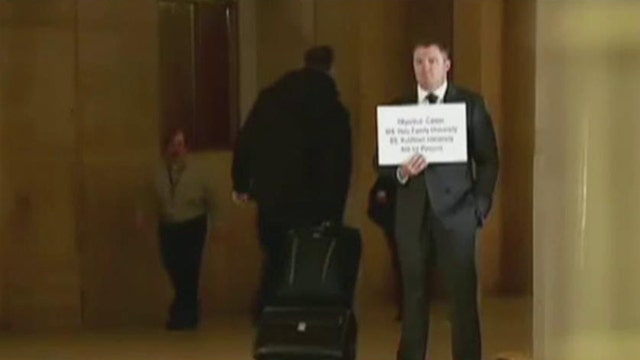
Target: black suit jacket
[
  {"x": 293, "y": 154},
  {"x": 460, "y": 194}
]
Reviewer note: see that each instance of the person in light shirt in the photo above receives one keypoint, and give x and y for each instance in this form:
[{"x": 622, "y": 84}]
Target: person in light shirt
[{"x": 183, "y": 207}]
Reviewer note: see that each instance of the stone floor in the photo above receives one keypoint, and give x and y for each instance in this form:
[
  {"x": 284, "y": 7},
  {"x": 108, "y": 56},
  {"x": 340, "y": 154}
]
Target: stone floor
[{"x": 506, "y": 330}]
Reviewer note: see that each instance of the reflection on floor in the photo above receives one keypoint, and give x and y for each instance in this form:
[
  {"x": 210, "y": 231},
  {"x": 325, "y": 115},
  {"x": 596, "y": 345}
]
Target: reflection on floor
[{"x": 506, "y": 329}]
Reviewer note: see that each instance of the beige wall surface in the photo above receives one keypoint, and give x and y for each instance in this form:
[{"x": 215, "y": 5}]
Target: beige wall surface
[
  {"x": 586, "y": 199},
  {"x": 39, "y": 166}
]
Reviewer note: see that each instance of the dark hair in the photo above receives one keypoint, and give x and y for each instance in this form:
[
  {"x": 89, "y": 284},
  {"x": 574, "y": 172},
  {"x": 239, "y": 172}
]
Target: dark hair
[
  {"x": 319, "y": 57},
  {"x": 443, "y": 49},
  {"x": 170, "y": 134}
]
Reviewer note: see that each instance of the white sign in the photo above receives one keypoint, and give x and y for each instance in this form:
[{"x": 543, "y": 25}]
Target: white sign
[{"x": 439, "y": 132}]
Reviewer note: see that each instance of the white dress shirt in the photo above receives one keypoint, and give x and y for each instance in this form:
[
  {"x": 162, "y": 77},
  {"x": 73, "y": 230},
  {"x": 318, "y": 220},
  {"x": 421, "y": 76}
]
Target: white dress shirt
[{"x": 439, "y": 92}]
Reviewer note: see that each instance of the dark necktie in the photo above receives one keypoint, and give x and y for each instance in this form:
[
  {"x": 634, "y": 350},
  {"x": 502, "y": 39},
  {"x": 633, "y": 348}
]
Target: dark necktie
[{"x": 431, "y": 99}]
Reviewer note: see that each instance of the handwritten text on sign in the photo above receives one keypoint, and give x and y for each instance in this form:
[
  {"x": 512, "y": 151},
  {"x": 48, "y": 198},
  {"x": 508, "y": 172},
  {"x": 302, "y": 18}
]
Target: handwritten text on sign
[{"x": 439, "y": 132}]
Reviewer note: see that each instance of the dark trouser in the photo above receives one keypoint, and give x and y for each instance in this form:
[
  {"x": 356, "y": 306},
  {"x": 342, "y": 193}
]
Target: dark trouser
[
  {"x": 395, "y": 268},
  {"x": 454, "y": 254},
  {"x": 272, "y": 234},
  {"x": 181, "y": 245}
]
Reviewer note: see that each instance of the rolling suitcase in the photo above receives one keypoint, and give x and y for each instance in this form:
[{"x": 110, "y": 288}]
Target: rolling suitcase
[
  {"x": 305, "y": 333},
  {"x": 320, "y": 268},
  {"x": 309, "y": 313}
]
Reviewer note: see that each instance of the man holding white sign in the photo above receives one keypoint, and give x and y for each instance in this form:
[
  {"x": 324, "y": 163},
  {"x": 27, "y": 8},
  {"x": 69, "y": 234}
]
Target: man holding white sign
[{"x": 439, "y": 150}]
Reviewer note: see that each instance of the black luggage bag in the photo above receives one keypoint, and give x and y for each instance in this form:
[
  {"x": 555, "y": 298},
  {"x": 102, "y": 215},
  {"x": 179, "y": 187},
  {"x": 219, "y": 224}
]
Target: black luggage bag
[
  {"x": 320, "y": 268},
  {"x": 309, "y": 313},
  {"x": 289, "y": 333}
]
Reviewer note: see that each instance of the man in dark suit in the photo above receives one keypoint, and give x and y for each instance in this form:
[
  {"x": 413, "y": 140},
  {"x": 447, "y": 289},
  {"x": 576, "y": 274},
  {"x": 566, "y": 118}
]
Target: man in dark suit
[
  {"x": 293, "y": 155},
  {"x": 439, "y": 208}
]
